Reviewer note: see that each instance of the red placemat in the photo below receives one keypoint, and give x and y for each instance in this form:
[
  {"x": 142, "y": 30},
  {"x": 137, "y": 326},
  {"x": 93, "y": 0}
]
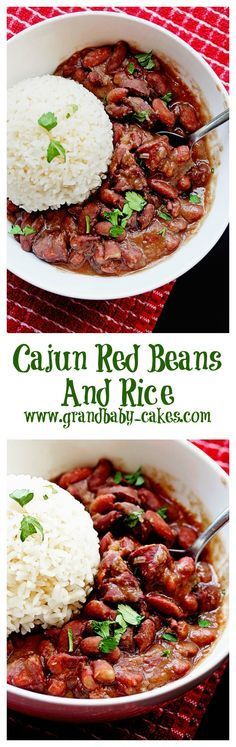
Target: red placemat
[
  {"x": 179, "y": 719},
  {"x": 33, "y": 310}
]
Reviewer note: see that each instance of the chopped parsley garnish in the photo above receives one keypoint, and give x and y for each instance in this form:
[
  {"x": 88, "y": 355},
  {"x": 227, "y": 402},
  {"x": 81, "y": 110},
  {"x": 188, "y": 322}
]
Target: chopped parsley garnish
[
  {"x": 130, "y": 616},
  {"x": 162, "y": 232},
  {"x": 22, "y": 497},
  {"x": 101, "y": 628},
  {"x": 110, "y": 640},
  {"x": 133, "y": 518},
  {"x": 52, "y": 488},
  {"x": 142, "y": 116},
  {"x": 167, "y": 97},
  {"x": 166, "y": 652},
  {"x": 18, "y": 231},
  {"x": 118, "y": 218},
  {"x": 88, "y": 224},
  {"x": 145, "y": 60},
  {"x": 30, "y": 525},
  {"x": 48, "y": 121},
  {"x": 169, "y": 637},
  {"x": 73, "y": 109},
  {"x": 55, "y": 149},
  {"x": 45, "y": 497},
  {"x": 116, "y": 231},
  {"x": 70, "y": 641},
  {"x": 203, "y": 622},
  {"x": 194, "y": 198},
  {"x": 118, "y": 478},
  {"x": 135, "y": 201},
  {"x": 163, "y": 214},
  {"x": 135, "y": 478},
  {"x": 131, "y": 68},
  {"x": 212, "y": 170},
  {"x": 162, "y": 512}
]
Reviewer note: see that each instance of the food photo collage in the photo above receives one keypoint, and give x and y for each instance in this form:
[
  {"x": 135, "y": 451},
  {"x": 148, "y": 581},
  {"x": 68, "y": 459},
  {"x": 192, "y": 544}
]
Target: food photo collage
[{"x": 117, "y": 288}]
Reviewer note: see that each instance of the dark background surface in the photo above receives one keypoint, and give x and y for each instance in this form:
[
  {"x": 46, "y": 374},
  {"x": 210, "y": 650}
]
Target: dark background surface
[
  {"x": 199, "y": 301},
  {"x": 214, "y": 725}
]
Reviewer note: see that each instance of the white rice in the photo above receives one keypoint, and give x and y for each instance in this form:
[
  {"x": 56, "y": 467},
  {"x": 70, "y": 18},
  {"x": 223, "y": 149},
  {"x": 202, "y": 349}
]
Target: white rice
[
  {"x": 50, "y": 578},
  {"x": 86, "y": 136}
]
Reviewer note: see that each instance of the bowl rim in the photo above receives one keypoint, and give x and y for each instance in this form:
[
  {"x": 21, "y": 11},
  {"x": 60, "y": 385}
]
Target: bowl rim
[
  {"x": 146, "y": 277},
  {"x": 158, "y": 694}
]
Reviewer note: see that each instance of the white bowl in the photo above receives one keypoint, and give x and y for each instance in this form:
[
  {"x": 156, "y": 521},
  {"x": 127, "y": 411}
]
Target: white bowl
[
  {"x": 198, "y": 482},
  {"x": 38, "y": 50}
]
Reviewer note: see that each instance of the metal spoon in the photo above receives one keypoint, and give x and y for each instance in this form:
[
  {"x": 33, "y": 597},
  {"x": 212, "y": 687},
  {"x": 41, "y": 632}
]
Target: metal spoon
[
  {"x": 195, "y": 550},
  {"x": 193, "y": 137}
]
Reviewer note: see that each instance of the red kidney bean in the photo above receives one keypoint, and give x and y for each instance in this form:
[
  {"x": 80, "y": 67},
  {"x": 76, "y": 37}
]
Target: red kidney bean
[
  {"x": 163, "y": 113},
  {"x": 90, "y": 646},
  {"x": 184, "y": 183},
  {"x": 204, "y": 572},
  {"x": 190, "y": 211},
  {"x": 86, "y": 676},
  {"x": 189, "y": 649},
  {"x": 97, "y": 610},
  {"x": 159, "y": 525},
  {"x": 102, "y": 504},
  {"x": 202, "y": 636},
  {"x": 163, "y": 188},
  {"x": 186, "y": 535},
  {"x": 96, "y": 56},
  {"x": 100, "y": 474},
  {"x": 209, "y": 597},
  {"x": 164, "y": 605},
  {"x": 145, "y": 635},
  {"x": 76, "y": 475},
  {"x": 188, "y": 117},
  {"x": 103, "y": 671},
  {"x": 117, "y": 57}
]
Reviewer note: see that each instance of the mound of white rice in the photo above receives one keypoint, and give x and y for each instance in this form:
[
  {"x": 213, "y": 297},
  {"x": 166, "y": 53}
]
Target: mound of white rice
[
  {"x": 48, "y": 578},
  {"x": 86, "y": 136}
]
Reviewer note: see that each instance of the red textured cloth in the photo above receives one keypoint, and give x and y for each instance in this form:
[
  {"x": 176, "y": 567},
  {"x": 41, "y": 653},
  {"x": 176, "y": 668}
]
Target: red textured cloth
[
  {"x": 179, "y": 719},
  {"x": 34, "y": 310}
]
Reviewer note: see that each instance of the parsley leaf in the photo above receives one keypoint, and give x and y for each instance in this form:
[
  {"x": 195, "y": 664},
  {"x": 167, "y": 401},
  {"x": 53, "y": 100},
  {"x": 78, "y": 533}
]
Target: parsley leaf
[
  {"x": 167, "y": 97},
  {"x": 130, "y": 616},
  {"x": 30, "y": 525},
  {"x": 70, "y": 641},
  {"x": 135, "y": 201},
  {"x": 88, "y": 224},
  {"x": 203, "y": 623},
  {"x": 135, "y": 478},
  {"x": 116, "y": 231},
  {"x": 55, "y": 149},
  {"x": 17, "y": 231},
  {"x": 101, "y": 628},
  {"x": 133, "y": 518},
  {"x": 162, "y": 232},
  {"x": 22, "y": 496},
  {"x": 131, "y": 68},
  {"x": 166, "y": 652},
  {"x": 194, "y": 198},
  {"x": 73, "y": 109},
  {"x": 145, "y": 60},
  {"x": 162, "y": 512},
  {"x": 169, "y": 637},
  {"x": 118, "y": 478},
  {"x": 48, "y": 121},
  {"x": 163, "y": 214},
  {"x": 108, "y": 644},
  {"x": 142, "y": 116}
]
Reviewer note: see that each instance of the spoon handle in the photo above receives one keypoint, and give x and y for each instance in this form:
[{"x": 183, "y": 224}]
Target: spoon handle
[
  {"x": 218, "y": 120},
  {"x": 209, "y": 532}
]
